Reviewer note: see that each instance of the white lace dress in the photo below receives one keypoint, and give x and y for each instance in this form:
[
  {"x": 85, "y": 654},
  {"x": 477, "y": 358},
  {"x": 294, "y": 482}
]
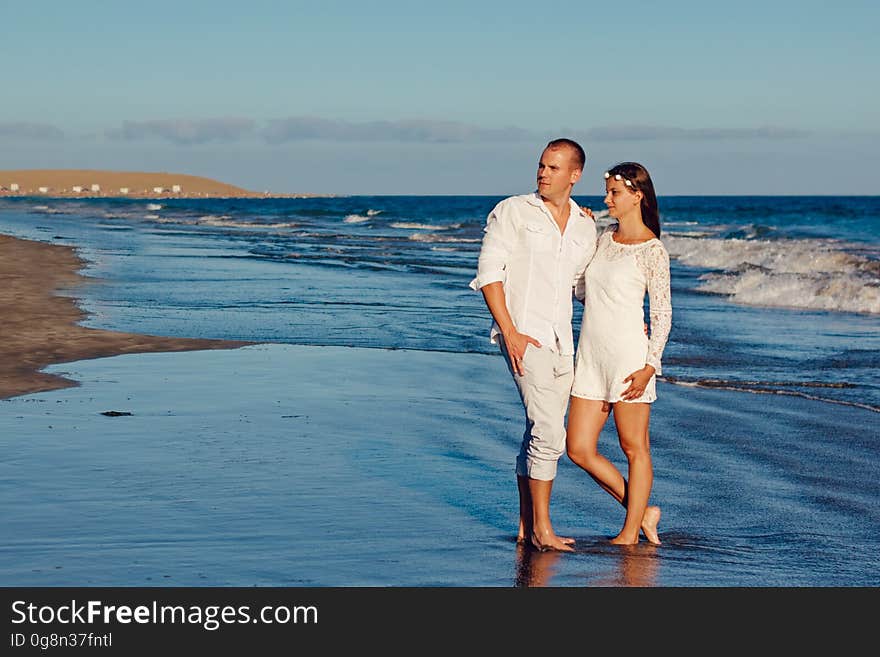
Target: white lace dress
[{"x": 612, "y": 343}]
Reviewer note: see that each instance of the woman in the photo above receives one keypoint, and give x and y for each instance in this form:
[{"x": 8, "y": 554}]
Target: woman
[{"x": 616, "y": 362}]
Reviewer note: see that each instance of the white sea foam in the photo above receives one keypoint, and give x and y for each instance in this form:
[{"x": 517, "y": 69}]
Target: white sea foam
[
  {"x": 757, "y": 389},
  {"x": 114, "y": 226},
  {"x": 45, "y": 209},
  {"x": 685, "y": 233},
  {"x": 225, "y": 221},
  {"x": 170, "y": 220},
  {"x": 356, "y": 218},
  {"x": 795, "y": 273},
  {"x": 154, "y": 206},
  {"x": 373, "y": 213},
  {"x": 418, "y": 226},
  {"x": 430, "y": 237},
  {"x": 215, "y": 220}
]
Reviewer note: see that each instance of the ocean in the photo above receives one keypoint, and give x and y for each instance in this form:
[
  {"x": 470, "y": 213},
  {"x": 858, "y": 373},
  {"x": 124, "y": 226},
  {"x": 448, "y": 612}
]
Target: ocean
[
  {"x": 771, "y": 295},
  {"x": 369, "y": 438}
]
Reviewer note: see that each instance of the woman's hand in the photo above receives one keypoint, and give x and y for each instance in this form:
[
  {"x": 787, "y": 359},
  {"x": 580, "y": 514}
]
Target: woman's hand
[{"x": 638, "y": 381}]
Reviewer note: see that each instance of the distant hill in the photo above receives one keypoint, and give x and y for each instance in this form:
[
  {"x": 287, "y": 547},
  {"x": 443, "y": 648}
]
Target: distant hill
[{"x": 136, "y": 184}]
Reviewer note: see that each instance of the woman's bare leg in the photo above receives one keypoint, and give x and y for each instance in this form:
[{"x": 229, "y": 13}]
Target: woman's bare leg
[
  {"x": 586, "y": 417},
  {"x": 632, "y": 421}
]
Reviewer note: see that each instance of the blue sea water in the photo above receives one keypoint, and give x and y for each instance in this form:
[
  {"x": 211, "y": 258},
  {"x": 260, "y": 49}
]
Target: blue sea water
[{"x": 771, "y": 295}]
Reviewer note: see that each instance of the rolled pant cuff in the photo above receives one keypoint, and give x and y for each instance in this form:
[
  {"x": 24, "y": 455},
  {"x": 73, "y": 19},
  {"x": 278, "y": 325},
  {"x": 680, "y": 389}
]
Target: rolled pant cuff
[{"x": 538, "y": 471}]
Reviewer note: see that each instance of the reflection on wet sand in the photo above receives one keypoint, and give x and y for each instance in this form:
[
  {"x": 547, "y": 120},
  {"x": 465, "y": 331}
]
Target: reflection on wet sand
[
  {"x": 533, "y": 567},
  {"x": 633, "y": 565},
  {"x": 636, "y": 566}
]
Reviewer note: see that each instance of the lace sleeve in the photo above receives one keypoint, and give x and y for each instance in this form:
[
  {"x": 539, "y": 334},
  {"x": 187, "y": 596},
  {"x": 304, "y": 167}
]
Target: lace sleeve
[{"x": 655, "y": 263}]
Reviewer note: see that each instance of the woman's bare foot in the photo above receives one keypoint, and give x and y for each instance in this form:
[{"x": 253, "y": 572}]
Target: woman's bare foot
[
  {"x": 550, "y": 541},
  {"x": 649, "y": 524},
  {"x": 620, "y": 540}
]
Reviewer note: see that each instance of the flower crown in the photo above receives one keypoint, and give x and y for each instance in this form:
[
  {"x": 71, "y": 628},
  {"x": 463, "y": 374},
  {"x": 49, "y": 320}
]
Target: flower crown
[{"x": 617, "y": 176}]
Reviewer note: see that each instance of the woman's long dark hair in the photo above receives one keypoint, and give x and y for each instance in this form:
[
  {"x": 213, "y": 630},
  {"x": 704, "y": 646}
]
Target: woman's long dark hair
[{"x": 638, "y": 175}]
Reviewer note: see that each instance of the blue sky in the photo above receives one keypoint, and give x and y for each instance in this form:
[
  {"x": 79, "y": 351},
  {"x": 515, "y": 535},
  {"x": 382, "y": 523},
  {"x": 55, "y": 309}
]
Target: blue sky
[{"x": 447, "y": 97}]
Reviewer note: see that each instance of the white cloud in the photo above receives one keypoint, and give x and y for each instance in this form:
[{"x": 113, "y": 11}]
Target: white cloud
[
  {"x": 26, "y": 130},
  {"x": 186, "y": 131},
  {"x": 407, "y": 130},
  {"x": 653, "y": 133}
]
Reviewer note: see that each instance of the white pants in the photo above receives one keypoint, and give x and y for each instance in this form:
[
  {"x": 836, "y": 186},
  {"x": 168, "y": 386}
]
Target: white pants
[{"x": 544, "y": 389}]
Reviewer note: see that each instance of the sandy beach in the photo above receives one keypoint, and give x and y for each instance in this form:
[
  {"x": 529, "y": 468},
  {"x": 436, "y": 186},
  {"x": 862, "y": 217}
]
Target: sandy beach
[
  {"x": 88, "y": 183},
  {"x": 41, "y": 327}
]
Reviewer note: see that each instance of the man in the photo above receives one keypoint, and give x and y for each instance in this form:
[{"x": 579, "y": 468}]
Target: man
[{"x": 535, "y": 250}]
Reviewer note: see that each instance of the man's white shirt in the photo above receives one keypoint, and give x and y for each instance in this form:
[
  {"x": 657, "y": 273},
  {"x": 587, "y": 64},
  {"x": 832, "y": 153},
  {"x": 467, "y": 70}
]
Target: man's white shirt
[{"x": 539, "y": 267}]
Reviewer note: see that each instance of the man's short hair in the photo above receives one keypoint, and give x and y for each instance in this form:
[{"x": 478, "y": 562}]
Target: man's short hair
[{"x": 577, "y": 151}]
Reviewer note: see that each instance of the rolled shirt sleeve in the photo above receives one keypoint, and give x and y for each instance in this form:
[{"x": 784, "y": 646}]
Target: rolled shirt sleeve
[{"x": 499, "y": 239}]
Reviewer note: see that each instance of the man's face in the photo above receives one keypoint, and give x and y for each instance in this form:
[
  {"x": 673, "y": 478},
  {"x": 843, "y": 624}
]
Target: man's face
[{"x": 557, "y": 172}]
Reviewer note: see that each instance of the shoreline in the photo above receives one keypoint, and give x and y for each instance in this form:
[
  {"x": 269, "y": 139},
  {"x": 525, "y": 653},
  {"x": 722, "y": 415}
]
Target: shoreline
[{"x": 41, "y": 327}]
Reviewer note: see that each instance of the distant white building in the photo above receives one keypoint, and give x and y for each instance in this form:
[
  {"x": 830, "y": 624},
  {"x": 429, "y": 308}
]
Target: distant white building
[
  {"x": 158, "y": 190},
  {"x": 123, "y": 190},
  {"x": 77, "y": 188},
  {"x": 175, "y": 189},
  {"x": 43, "y": 190},
  {"x": 13, "y": 187},
  {"x": 96, "y": 188}
]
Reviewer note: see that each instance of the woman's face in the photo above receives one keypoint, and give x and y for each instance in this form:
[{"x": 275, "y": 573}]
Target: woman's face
[{"x": 620, "y": 198}]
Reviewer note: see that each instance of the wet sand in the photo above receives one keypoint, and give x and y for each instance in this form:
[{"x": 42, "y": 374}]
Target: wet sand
[
  {"x": 289, "y": 465},
  {"x": 39, "y": 324}
]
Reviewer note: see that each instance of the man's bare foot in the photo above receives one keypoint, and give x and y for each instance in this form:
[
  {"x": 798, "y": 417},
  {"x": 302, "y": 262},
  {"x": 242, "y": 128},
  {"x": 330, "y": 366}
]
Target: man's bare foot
[
  {"x": 524, "y": 533},
  {"x": 649, "y": 524},
  {"x": 550, "y": 541}
]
